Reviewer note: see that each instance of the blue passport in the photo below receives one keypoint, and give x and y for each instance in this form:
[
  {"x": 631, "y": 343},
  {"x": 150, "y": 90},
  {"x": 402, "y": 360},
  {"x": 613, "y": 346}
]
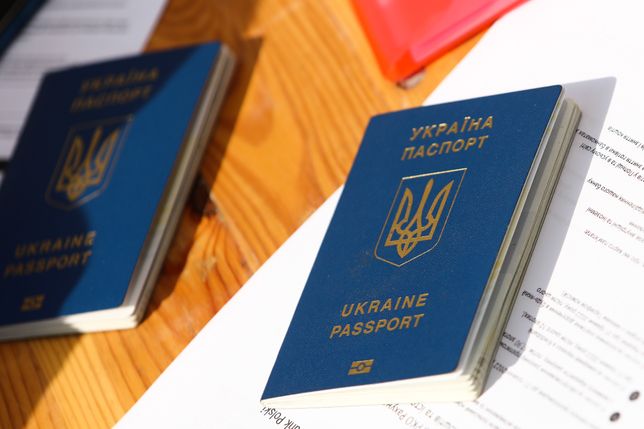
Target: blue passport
[
  {"x": 94, "y": 191},
  {"x": 419, "y": 267}
]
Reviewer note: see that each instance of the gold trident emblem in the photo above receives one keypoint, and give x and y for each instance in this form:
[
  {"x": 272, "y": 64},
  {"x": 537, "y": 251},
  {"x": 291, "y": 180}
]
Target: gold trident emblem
[
  {"x": 85, "y": 168},
  {"x": 406, "y": 230}
]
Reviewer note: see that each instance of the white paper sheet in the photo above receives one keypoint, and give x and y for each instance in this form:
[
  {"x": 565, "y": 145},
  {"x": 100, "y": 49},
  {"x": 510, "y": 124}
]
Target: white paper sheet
[
  {"x": 64, "y": 33},
  {"x": 573, "y": 351}
]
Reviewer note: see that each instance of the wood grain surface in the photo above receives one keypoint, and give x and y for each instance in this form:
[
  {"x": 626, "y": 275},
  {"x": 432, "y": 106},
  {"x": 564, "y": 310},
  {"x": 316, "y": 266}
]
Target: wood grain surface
[{"x": 305, "y": 86}]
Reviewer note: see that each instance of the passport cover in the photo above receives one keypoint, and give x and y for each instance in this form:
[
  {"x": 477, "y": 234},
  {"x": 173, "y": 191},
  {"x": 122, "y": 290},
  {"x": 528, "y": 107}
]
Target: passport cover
[
  {"x": 414, "y": 239},
  {"x": 87, "y": 179}
]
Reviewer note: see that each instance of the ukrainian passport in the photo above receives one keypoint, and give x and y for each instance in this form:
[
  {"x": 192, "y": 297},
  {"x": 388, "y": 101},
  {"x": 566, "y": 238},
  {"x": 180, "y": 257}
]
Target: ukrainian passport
[
  {"x": 425, "y": 252},
  {"x": 94, "y": 190}
]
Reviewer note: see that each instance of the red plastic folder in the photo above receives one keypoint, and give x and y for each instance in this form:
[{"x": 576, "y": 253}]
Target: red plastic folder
[{"x": 407, "y": 34}]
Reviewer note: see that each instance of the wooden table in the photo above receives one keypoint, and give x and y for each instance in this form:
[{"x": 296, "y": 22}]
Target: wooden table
[{"x": 304, "y": 89}]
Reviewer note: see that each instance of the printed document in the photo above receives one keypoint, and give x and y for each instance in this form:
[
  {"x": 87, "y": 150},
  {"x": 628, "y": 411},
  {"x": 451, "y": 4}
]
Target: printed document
[{"x": 572, "y": 354}]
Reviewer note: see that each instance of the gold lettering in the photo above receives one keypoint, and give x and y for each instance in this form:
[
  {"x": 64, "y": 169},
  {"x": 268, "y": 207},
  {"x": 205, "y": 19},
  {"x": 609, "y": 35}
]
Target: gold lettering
[
  {"x": 448, "y": 144},
  {"x": 74, "y": 259},
  {"x": 62, "y": 262},
  {"x": 441, "y": 128},
  {"x": 29, "y": 267},
  {"x": 346, "y": 312},
  {"x": 415, "y": 132},
  {"x": 32, "y": 249},
  {"x": 89, "y": 238},
  {"x": 357, "y": 328},
  {"x": 428, "y": 131},
  {"x": 458, "y": 143},
  {"x": 453, "y": 129},
  {"x": 488, "y": 123},
  {"x": 393, "y": 324},
  {"x": 381, "y": 324},
  {"x": 407, "y": 153},
  {"x": 408, "y": 301},
  {"x": 470, "y": 142},
  {"x": 346, "y": 330},
  {"x": 76, "y": 241},
  {"x": 116, "y": 80},
  {"x": 51, "y": 263},
  {"x": 390, "y": 324},
  {"x": 404, "y": 323},
  {"x": 86, "y": 255},
  {"x": 465, "y": 119},
  {"x": 474, "y": 125},
  {"x": 20, "y": 251},
  {"x": 482, "y": 140},
  {"x": 54, "y": 262},
  {"x": 57, "y": 246},
  {"x": 360, "y": 308},
  {"x": 417, "y": 318},
  {"x": 432, "y": 149},
  {"x": 422, "y": 299},
  {"x": 154, "y": 74},
  {"x": 335, "y": 330},
  {"x": 111, "y": 98},
  {"x": 44, "y": 246}
]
